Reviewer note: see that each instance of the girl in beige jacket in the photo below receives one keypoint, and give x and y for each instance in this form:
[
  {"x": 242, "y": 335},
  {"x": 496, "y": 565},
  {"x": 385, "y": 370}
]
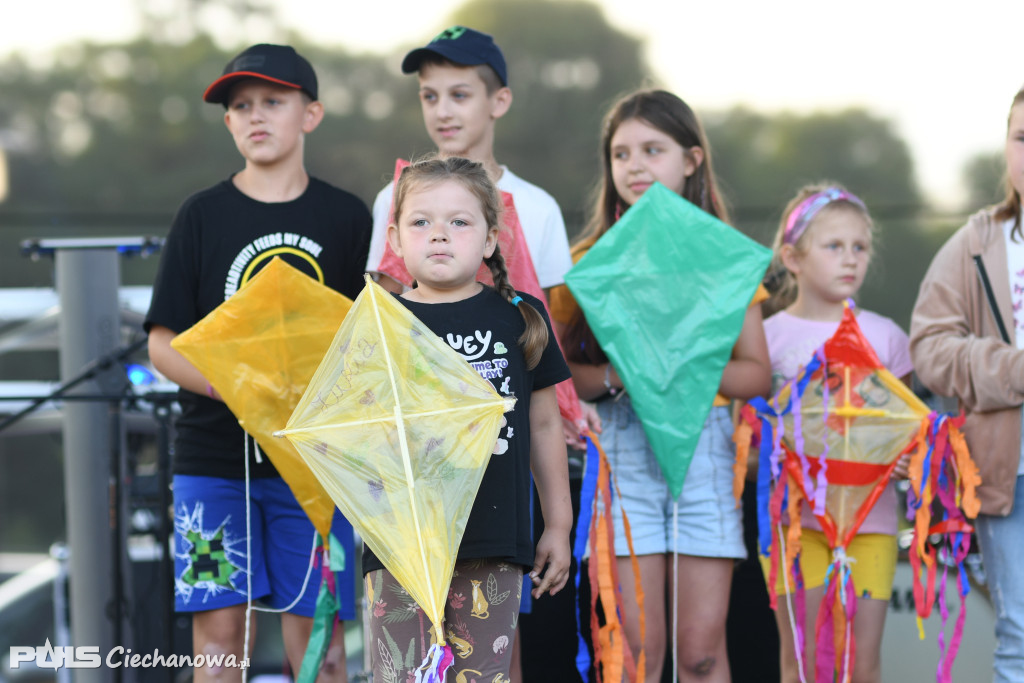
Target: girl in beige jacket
[{"x": 967, "y": 341}]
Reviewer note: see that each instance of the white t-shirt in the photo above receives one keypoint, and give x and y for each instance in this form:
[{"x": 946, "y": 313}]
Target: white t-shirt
[
  {"x": 539, "y": 217},
  {"x": 791, "y": 344},
  {"x": 1015, "y": 267}
]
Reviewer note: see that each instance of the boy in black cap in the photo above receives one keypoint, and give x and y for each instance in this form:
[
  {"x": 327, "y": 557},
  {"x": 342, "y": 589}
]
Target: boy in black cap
[
  {"x": 220, "y": 237},
  {"x": 463, "y": 92}
]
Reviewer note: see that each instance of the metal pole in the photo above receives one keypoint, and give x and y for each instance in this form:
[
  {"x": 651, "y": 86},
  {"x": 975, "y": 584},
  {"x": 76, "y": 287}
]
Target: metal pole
[{"x": 87, "y": 282}]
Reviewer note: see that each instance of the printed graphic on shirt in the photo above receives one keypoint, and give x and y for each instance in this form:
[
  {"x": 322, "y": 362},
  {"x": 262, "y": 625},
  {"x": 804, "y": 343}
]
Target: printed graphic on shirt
[
  {"x": 791, "y": 362},
  {"x": 474, "y": 346},
  {"x": 1018, "y": 300},
  {"x": 265, "y": 247},
  {"x": 213, "y": 558}
]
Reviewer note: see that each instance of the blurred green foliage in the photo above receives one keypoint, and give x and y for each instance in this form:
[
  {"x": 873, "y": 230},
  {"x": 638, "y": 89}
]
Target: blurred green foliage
[{"x": 108, "y": 139}]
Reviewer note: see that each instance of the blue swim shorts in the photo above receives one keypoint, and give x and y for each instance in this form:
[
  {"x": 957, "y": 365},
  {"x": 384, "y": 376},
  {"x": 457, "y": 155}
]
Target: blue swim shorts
[{"x": 210, "y": 547}]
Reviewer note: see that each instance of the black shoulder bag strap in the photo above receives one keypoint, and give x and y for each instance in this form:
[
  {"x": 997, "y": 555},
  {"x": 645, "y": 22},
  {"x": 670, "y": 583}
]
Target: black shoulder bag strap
[{"x": 990, "y": 295}]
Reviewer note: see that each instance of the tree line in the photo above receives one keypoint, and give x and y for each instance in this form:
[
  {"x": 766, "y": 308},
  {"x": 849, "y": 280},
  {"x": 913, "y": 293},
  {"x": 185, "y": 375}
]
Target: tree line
[{"x": 110, "y": 138}]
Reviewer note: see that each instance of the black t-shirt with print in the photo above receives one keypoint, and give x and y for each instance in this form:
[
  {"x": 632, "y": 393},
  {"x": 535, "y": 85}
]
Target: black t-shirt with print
[
  {"x": 484, "y": 329},
  {"x": 219, "y": 239}
]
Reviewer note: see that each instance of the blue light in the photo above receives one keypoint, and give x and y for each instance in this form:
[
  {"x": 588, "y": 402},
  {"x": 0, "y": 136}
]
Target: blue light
[{"x": 139, "y": 375}]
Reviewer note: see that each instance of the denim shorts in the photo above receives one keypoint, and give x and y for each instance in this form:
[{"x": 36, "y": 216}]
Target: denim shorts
[
  {"x": 210, "y": 547},
  {"x": 709, "y": 522}
]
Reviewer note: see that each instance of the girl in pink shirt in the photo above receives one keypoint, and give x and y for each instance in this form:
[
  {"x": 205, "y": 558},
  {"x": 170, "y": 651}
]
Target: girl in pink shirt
[{"x": 823, "y": 247}]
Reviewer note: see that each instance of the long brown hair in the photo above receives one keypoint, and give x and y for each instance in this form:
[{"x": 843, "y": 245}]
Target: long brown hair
[
  {"x": 671, "y": 115},
  {"x": 1009, "y": 208},
  {"x": 472, "y": 175}
]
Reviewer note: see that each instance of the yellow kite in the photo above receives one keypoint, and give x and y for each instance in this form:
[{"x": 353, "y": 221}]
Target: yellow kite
[
  {"x": 399, "y": 429},
  {"x": 259, "y": 349}
]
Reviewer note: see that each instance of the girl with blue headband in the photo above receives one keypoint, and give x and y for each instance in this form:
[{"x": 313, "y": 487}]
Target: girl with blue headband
[{"x": 822, "y": 251}]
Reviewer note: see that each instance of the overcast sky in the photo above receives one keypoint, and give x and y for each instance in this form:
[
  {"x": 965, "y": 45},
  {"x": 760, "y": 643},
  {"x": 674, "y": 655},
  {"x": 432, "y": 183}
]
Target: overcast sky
[{"x": 944, "y": 73}]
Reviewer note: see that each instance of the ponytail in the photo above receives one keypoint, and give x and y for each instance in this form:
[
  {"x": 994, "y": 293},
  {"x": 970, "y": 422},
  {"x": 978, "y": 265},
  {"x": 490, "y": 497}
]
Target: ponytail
[
  {"x": 781, "y": 286},
  {"x": 535, "y": 338}
]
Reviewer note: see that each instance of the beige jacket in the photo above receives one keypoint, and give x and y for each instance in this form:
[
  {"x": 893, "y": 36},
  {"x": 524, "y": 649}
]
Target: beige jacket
[{"x": 957, "y": 351}]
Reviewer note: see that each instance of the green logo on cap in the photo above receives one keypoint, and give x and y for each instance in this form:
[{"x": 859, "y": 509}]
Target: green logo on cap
[{"x": 453, "y": 33}]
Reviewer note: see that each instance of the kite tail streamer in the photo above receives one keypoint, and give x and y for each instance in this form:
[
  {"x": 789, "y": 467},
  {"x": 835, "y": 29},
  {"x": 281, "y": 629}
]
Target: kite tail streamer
[
  {"x": 764, "y": 488},
  {"x": 967, "y": 477},
  {"x": 815, "y": 489},
  {"x": 325, "y": 618},
  {"x": 821, "y": 485},
  {"x": 609, "y": 639},
  {"x": 923, "y": 493},
  {"x": 594, "y": 595},
  {"x": 942, "y": 470},
  {"x": 792, "y": 554},
  {"x": 965, "y": 498},
  {"x": 789, "y": 543},
  {"x": 744, "y": 437},
  {"x": 612, "y": 655},
  {"x": 641, "y": 661},
  {"x": 768, "y": 468},
  {"x": 834, "y": 645},
  {"x": 775, "y": 509},
  {"x": 588, "y": 492},
  {"x": 437, "y": 662},
  {"x": 944, "y": 673}
]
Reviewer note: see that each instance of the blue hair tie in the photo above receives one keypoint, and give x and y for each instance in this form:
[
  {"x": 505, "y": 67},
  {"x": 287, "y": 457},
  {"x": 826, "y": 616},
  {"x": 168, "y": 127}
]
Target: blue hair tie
[{"x": 516, "y": 301}]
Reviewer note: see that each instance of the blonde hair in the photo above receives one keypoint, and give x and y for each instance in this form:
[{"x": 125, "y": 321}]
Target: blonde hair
[
  {"x": 781, "y": 283},
  {"x": 471, "y": 175}
]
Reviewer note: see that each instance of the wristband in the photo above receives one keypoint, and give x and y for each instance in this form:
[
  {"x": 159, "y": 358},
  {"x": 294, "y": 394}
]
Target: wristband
[{"x": 608, "y": 380}]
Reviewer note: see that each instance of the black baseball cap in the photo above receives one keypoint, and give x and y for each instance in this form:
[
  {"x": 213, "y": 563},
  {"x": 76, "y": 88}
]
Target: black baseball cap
[
  {"x": 279, "y": 64},
  {"x": 462, "y": 46}
]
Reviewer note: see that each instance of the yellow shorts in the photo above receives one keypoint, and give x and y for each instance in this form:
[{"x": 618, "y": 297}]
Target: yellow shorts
[{"x": 873, "y": 566}]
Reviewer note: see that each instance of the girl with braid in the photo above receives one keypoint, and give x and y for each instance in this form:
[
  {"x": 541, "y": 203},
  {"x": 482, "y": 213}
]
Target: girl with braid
[{"x": 446, "y": 223}]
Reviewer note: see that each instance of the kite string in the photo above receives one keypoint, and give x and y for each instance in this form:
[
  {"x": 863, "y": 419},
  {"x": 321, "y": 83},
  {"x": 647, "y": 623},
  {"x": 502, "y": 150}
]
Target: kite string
[
  {"x": 248, "y": 562},
  {"x": 312, "y": 552},
  {"x": 305, "y": 584},
  {"x": 675, "y": 590},
  {"x": 789, "y": 607}
]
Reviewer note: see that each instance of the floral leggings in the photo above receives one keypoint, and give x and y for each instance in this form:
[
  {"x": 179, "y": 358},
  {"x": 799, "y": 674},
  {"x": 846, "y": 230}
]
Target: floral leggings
[{"x": 480, "y": 620}]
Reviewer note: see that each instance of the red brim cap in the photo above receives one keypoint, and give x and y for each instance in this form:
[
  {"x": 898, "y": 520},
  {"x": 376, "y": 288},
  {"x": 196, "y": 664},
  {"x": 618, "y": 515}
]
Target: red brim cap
[{"x": 217, "y": 92}]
